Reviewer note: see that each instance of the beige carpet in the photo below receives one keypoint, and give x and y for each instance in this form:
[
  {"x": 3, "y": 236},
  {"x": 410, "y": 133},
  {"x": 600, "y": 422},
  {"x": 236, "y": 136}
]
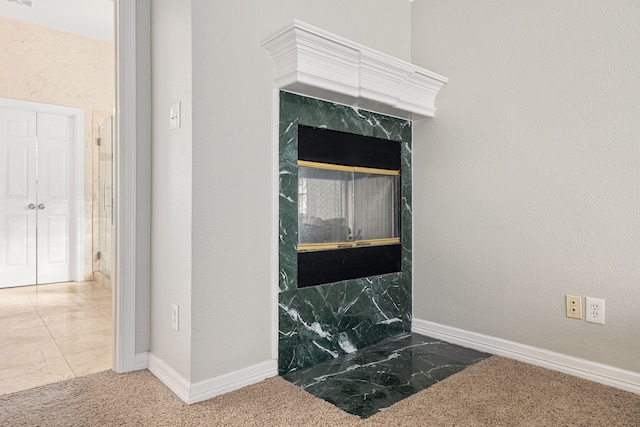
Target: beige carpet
[{"x": 495, "y": 392}]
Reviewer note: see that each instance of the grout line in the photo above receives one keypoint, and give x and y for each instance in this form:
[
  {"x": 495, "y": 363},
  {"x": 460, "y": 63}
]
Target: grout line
[
  {"x": 57, "y": 346},
  {"x": 69, "y": 290}
]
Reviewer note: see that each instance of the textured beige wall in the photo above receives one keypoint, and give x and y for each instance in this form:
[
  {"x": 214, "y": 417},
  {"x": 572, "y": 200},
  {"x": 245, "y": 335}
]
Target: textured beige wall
[
  {"x": 40, "y": 64},
  {"x": 526, "y": 181}
]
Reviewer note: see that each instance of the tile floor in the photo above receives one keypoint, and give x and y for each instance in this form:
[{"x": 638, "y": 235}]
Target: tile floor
[
  {"x": 374, "y": 378},
  {"x": 53, "y": 332}
]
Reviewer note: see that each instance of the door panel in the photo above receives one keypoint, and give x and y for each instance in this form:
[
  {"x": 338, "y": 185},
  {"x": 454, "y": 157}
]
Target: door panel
[
  {"x": 55, "y": 133},
  {"x": 16, "y": 166},
  {"x": 17, "y": 193},
  {"x": 56, "y": 181},
  {"x": 17, "y": 233},
  {"x": 54, "y": 242}
]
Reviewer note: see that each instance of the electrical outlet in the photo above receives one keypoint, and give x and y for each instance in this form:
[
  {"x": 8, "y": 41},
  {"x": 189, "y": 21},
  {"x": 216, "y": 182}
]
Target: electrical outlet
[
  {"x": 175, "y": 316},
  {"x": 595, "y": 310},
  {"x": 574, "y": 306}
]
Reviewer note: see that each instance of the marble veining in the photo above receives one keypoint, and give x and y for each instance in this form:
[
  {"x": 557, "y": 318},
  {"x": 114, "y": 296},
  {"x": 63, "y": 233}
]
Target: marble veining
[
  {"x": 323, "y": 322},
  {"x": 374, "y": 378}
]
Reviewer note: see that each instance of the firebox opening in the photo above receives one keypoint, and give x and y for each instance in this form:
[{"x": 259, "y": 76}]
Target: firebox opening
[{"x": 348, "y": 206}]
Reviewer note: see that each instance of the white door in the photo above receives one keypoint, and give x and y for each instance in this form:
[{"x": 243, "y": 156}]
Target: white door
[
  {"x": 36, "y": 189},
  {"x": 17, "y": 197},
  {"x": 54, "y": 187}
]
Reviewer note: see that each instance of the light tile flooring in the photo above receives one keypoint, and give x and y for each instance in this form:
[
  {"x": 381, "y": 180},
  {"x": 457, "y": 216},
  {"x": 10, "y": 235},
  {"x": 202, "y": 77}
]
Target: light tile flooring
[{"x": 53, "y": 332}]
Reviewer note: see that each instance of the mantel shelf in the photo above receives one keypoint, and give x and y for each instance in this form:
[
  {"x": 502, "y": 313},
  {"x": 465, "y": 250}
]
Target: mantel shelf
[{"x": 313, "y": 62}]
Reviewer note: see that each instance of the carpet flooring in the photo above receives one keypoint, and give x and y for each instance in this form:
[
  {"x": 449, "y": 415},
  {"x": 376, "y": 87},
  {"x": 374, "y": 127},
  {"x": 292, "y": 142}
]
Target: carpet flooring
[{"x": 493, "y": 392}]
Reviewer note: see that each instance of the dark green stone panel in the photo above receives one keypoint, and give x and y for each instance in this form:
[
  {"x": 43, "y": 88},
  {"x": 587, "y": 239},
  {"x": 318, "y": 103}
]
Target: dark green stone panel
[{"x": 323, "y": 322}]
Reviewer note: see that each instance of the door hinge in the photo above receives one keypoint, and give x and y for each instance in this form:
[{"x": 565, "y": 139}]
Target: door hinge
[
  {"x": 99, "y": 140},
  {"x": 99, "y": 255}
]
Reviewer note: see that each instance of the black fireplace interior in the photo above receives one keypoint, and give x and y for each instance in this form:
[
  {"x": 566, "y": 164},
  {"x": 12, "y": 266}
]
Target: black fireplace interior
[{"x": 348, "y": 206}]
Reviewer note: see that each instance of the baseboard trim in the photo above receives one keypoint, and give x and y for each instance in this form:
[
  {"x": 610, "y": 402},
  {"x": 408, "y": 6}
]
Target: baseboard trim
[
  {"x": 140, "y": 361},
  {"x": 206, "y": 389},
  {"x": 593, "y": 371},
  {"x": 215, "y": 386},
  {"x": 178, "y": 384}
]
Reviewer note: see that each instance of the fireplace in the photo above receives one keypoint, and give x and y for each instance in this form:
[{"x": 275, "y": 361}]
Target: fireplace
[
  {"x": 345, "y": 230},
  {"x": 344, "y": 258},
  {"x": 348, "y": 206}
]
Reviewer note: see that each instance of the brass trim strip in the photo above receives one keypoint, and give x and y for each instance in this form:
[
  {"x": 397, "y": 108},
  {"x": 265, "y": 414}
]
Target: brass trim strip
[
  {"x": 343, "y": 168},
  {"x": 344, "y": 245},
  {"x": 376, "y": 171},
  {"x": 327, "y": 166}
]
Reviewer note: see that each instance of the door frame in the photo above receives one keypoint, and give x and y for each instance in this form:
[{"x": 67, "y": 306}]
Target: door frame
[
  {"x": 132, "y": 132},
  {"x": 76, "y": 235}
]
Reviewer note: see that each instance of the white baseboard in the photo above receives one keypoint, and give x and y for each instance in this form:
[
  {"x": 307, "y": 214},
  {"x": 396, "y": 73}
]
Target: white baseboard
[
  {"x": 203, "y": 390},
  {"x": 140, "y": 361},
  {"x": 170, "y": 377},
  {"x": 593, "y": 371},
  {"x": 215, "y": 386}
]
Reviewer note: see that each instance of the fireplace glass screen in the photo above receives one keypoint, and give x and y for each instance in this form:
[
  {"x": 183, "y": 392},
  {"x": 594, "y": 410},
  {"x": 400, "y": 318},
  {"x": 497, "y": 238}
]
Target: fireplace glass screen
[{"x": 343, "y": 206}]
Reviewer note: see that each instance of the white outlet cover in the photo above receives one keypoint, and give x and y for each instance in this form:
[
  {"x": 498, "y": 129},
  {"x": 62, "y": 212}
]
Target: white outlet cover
[{"x": 594, "y": 310}]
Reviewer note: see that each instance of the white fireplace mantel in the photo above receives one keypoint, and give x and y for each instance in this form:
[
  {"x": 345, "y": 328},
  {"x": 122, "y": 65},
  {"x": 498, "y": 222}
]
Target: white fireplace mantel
[{"x": 313, "y": 62}]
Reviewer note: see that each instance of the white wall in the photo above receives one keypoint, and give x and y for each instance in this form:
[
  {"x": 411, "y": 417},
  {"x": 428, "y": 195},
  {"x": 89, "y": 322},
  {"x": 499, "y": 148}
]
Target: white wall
[
  {"x": 232, "y": 218},
  {"x": 526, "y": 182},
  {"x": 143, "y": 176},
  {"x": 90, "y": 18},
  {"x": 171, "y": 183}
]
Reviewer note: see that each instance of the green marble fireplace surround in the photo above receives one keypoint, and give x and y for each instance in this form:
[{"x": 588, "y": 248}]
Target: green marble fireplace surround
[{"x": 322, "y": 322}]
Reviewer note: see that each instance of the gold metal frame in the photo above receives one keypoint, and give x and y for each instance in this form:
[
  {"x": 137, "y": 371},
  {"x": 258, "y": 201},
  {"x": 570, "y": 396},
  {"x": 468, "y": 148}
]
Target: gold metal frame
[
  {"x": 343, "y": 168},
  {"x": 345, "y": 245}
]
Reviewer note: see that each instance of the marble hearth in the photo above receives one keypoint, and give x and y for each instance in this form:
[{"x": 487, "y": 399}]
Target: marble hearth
[{"x": 372, "y": 379}]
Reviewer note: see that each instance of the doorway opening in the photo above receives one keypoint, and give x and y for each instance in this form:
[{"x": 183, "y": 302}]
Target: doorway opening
[
  {"x": 54, "y": 65},
  {"x": 53, "y": 311},
  {"x": 41, "y": 219}
]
